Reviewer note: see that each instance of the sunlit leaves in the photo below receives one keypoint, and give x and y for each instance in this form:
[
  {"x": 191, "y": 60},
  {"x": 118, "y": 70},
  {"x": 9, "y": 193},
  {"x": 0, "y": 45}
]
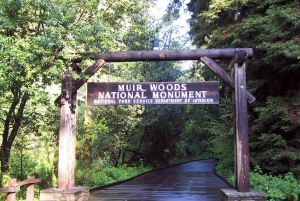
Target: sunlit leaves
[{"x": 38, "y": 40}]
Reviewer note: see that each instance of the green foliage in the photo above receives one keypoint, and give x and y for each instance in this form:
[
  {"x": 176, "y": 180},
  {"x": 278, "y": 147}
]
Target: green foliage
[
  {"x": 38, "y": 39},
  {"x": 221, "y": 146},
  {"x": 278, "y": 124},
  {"x": 280, "y": 113},
  {"x": 110, "y": 130},
  {"x": 273, "y": 74},
  {"x": 99, "y": 176},
  {"x": 275, "y": 187}
]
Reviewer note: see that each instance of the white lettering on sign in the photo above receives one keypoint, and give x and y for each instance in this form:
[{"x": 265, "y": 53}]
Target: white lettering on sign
[
  {"x": 130, "y": 87},
  {"x": 123, "y": 95},
  {"x": 153, "y": 93},
  {"x": 164, "y": 101},
  {"x": 168, "y": 87},
  {"x": 179, "y": 94}
]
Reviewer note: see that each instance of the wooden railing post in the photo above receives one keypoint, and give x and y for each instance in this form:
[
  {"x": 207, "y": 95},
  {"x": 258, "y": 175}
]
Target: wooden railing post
[
  {"x": 30, "y": 190},
  {"x": 11, "y": 196},
  {"x": 14, "y": 186}
]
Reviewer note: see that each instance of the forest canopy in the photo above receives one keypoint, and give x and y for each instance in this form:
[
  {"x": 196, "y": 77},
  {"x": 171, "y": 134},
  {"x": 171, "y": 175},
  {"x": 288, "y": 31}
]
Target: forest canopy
[{"x": 272, "y": 29}]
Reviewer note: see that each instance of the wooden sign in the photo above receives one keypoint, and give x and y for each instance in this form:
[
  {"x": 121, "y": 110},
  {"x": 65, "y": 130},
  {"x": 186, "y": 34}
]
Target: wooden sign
[{"x": 152, "y": 93}]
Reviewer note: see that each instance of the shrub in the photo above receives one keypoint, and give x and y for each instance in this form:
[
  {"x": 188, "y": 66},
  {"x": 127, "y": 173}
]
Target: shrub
[
  {"x": 107, "y": 175},
  {"x": 275, "y": 187}
]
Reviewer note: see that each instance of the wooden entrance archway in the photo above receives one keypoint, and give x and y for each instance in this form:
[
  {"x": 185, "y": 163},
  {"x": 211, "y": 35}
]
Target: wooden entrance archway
[{"x": 67, "y": 102}]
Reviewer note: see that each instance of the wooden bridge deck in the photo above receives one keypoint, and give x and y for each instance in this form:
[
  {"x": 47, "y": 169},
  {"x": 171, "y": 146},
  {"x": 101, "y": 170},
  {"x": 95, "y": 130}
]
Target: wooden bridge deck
[{"x": 190, "y": 181}]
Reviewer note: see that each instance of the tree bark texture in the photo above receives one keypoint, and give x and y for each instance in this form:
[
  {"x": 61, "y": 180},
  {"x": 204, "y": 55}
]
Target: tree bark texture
[
  {"x": 172, "y": 55},
  {"x": 79, "y": 82},
  {"x": 66, "y": 159},
  {"x": 241, "y": 118},
  {"x": 234, "y": 131}
]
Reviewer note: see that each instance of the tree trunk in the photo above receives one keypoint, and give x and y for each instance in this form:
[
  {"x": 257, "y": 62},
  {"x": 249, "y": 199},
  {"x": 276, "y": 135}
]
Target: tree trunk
[
  {"x": 9, "y": 136},
  {"x": 118, "y": 158}
]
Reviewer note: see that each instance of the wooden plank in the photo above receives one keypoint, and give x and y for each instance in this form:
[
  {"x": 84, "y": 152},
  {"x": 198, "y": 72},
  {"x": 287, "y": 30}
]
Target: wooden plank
[
  {"x": 10, "y": 189},
  {"x": 234, "y": 130},
  {"x": 224, "y": 76},
  {"x": 172, "y": 55},
  {"x": 30, "y": 190},
  {"x": 242, "y": 141},
  {"x": 190, "y": 181},
  {"x": 79, "y": 82},
  {"x": 65, "y": 132},
  {"x": 30, "y": 180},
  {"x": 11, "y": 196}
]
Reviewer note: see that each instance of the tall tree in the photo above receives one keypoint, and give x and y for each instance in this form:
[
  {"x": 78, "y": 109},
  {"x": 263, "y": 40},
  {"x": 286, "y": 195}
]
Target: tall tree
[
  {"x": 273, "y": 74},
  {"x": 149, "y": 131},
  {"x": 37, "y": 41}
]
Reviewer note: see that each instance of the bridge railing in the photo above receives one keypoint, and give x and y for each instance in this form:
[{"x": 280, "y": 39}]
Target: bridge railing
[{"x": 14, "y": 186}]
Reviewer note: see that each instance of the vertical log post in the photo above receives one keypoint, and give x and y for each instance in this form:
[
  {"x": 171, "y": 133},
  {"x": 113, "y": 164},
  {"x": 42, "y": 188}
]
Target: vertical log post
[
  {"x": 241, "y": 112},
  {"x": 234, "y": 129},
  {"x": 30, "y": 190},
  {"x": 66, "y": 159},
  {"x": 72, "y": 153},
  {"x": 11, "y": 196}
]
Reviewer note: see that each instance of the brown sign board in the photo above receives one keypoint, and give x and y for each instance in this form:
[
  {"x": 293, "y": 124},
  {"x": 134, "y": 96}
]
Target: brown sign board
[{"x": 142, "y": 93}]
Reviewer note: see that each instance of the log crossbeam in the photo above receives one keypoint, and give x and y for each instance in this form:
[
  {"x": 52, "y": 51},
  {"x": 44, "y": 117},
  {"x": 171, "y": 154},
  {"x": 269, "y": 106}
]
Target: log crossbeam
[
  {"x": 168, "y": 55},
  {"x": 156, "y": 55},
  {"x": 224, "y": 76},
  {"x": 239, "y": 56}
]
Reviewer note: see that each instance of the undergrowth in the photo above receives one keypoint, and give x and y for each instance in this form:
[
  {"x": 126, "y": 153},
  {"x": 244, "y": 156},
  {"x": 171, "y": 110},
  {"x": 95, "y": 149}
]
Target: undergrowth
[
  {"x": 276, "y": 188},
  {"x": 107, "y": 175}
]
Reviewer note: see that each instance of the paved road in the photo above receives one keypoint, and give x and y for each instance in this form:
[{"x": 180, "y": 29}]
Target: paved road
[{"x": 190, "y": 181}]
